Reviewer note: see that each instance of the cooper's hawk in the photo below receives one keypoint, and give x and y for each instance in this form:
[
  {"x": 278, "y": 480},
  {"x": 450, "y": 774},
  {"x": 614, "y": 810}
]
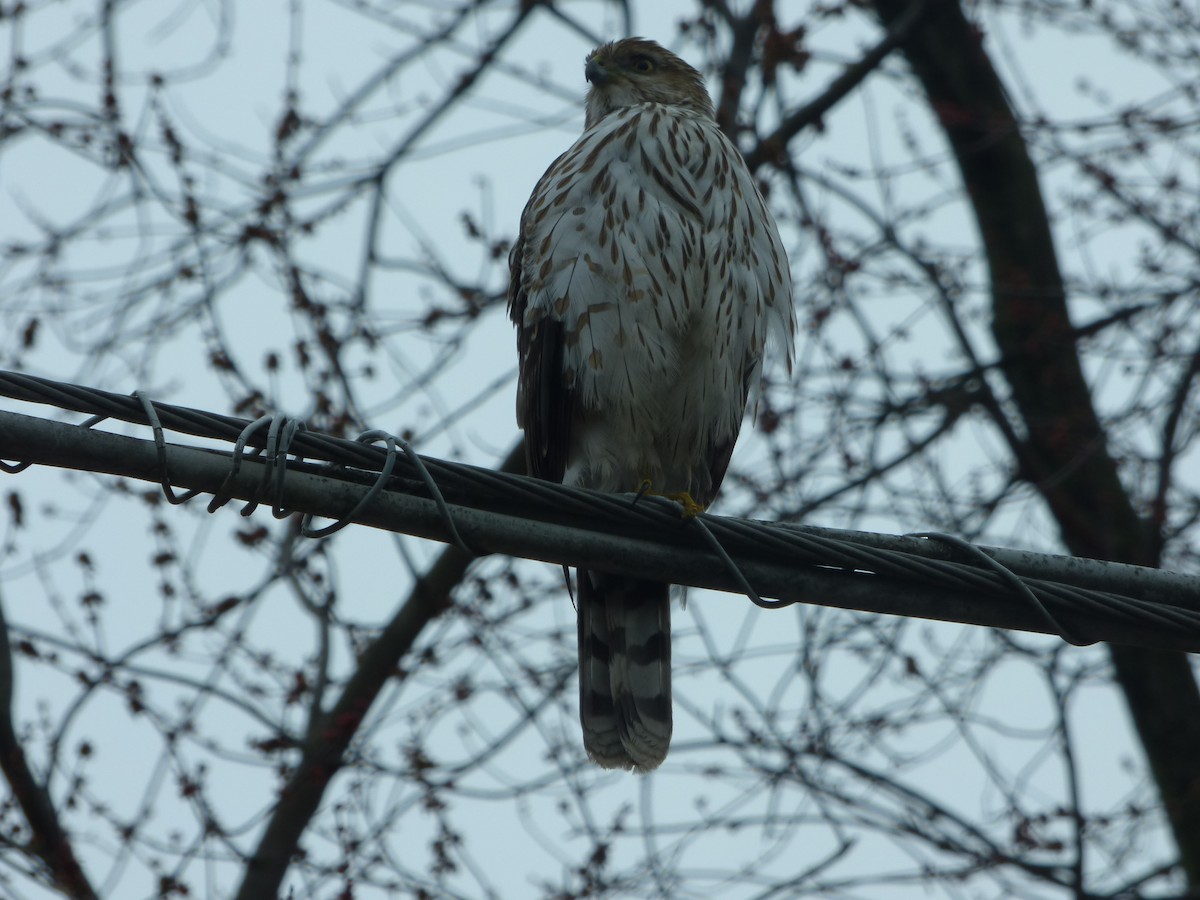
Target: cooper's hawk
[{"x": 646, "y": 279}]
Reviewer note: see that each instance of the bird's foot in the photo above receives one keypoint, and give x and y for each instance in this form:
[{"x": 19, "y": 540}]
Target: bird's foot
[{"x": 691, "y": 508}]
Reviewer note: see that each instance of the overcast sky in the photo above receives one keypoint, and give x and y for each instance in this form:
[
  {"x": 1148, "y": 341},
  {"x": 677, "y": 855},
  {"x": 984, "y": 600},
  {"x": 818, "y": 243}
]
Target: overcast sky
[{"x": 482, "y": 160}]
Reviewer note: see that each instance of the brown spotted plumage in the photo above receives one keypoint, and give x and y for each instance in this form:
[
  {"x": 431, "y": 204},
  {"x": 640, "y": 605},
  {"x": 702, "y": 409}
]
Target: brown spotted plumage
[{"x": 646, "y": 279}]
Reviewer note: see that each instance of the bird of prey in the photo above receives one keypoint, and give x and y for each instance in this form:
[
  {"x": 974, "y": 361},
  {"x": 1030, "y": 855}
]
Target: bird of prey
[{"x": 646, "y": 278}]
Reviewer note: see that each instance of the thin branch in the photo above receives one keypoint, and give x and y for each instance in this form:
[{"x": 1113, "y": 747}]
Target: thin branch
[
  {"x": 812, "y": 113},
  {"x": 1166, "y": 463},
  {"x": 737, "y": 65}
]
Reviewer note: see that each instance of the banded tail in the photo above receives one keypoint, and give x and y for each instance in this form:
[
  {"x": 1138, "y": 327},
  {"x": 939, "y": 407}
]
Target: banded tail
[{"x": 624, "y": 670}]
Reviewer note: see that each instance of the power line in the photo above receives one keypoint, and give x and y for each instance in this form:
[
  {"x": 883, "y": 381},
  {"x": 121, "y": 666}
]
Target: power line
[{"x": 496, "y": 512}]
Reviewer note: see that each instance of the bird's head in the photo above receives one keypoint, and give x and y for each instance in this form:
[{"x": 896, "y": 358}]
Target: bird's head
[{"x": 633, "y": 71}]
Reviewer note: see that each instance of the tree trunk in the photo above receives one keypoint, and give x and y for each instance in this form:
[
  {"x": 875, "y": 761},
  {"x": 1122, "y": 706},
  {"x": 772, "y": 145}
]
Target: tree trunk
[{"x": 1064, "y": 452}]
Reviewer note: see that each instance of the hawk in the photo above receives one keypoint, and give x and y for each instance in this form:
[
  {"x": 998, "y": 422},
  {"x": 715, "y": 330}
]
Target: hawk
[{"x": 646, "y": 278}]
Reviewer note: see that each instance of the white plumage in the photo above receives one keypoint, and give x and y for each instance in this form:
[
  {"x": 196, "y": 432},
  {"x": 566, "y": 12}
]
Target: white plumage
[{"x": 664, "y": 297}]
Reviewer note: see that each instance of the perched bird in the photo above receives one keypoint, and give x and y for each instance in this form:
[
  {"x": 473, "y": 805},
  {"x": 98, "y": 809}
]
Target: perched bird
[{"x": 645, "y": 280}]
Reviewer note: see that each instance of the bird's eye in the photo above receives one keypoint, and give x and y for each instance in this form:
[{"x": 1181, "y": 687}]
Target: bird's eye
[{"x": 643, "y": 64}]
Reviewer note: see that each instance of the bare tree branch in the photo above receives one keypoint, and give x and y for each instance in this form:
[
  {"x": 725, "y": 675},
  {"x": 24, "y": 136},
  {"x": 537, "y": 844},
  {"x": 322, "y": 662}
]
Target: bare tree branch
[
  {"x": 772, "y": 147},
  {"x": 1065, "y": 453},
  {"x": 323, "y": 752},
  {"x": 47, "y": 841}
]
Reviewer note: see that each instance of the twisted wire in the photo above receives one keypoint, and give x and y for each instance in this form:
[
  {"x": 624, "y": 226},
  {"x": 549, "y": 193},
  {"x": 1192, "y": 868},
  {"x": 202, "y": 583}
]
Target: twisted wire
[{"x": 737, "y": 542}]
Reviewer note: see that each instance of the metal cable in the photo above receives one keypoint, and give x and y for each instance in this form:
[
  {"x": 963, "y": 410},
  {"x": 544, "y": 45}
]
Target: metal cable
[
  {"x": 737, "y": 542},
  {"x": 1017, "y": 584},
  {"x": 384, "y": 474}
]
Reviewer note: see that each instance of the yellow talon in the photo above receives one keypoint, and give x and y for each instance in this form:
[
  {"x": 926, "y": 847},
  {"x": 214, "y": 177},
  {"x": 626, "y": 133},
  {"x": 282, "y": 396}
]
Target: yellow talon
[{"x": 691, "y": 508}]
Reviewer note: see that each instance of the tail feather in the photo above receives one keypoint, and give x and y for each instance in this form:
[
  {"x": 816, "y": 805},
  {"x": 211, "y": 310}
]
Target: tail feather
[{"x": 624, "y": 670}]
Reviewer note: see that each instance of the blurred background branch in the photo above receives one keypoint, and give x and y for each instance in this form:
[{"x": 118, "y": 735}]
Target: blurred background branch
[{"x": 306, "y": 208}]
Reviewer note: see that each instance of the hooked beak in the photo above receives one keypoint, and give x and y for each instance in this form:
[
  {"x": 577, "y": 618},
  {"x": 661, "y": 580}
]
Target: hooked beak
[{"x": 594, "y": 72}]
